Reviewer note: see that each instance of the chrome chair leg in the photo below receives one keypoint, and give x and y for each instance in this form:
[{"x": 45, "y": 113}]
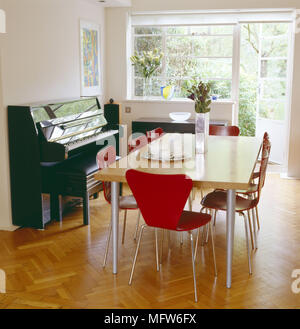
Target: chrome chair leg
[
  {"x": 204, "y": 233},
  {"x": 193, "y": 264},
  {"x": 136, "y": 253},
  {"x": 156, "y": 249},
  {"x": 197, "y": 242},
  {"x": 137, "y": 225},
  {"x": 190, "y": 203},
  {"x": 247, "y": 242},
  {"x": 213, "y": 247},
  {"x": 124, "y": 226},
  {"x": 107, "y": 244},
  {"x": 254, "y": 225},
  {"x": 181, "y": 238},
  {"x": 257, "y": 218},
  {"x": 254, "y": 228},
  {"x": 161, "y": 246},
  {"x": 250, "y": 228},
  {"x": 169, "y": 240},
  {"x": 215, "y": 216}
]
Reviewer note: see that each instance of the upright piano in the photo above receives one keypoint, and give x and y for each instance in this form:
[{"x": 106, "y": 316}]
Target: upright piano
[{"x": 53, "y": 149}]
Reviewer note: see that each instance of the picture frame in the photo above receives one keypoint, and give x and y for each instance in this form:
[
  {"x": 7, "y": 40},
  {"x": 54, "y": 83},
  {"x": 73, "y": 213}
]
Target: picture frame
[{"x": 91, "y": 82}]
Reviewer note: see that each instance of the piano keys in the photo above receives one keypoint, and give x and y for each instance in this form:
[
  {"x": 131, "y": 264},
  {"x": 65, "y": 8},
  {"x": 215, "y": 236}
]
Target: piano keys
[{"x": 53, "y": 149}]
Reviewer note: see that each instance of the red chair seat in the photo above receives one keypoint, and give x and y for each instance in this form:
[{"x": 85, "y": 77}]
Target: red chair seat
[
  {"x": 190, "y": 220},
  {"x": 218, "y": 200}
]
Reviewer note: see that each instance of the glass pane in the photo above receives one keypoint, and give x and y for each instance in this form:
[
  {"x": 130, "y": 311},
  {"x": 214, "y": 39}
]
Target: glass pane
[
  {"x": 273, "y": 89},
  {"x": 214, "y": 68},
  {"x": 138, "y": 87},
  {"x": 199, "y": 68},
  {"x": 272, "y": 110},
  {"x": 213, "y": 46},
  {"x": 179, "y": 45},
  {"x": 180, "y": 67},
  {"x": 147, "y": 43},
  {"x": 177, "y": 30},
  {"x": 147, "y": 30},
  {"x": 273, "y": 68},
  {"x": 221, "y": 89},
  {"x": 155, "y": 87},
  {"x": 199, "y": 30},
  {"x": 275, "y": 47},
  {"x": 271, "y": 29},
  {"x": 221, "y": 29}
]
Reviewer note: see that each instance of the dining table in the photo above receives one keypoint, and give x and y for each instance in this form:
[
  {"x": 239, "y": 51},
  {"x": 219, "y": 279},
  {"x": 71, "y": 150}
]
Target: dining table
[{"x": 228, "y": 163}]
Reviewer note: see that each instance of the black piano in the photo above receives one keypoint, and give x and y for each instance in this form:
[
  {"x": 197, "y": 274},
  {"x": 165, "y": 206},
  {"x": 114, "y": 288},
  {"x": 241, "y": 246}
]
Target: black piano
[{"x": 53, "y": 149}]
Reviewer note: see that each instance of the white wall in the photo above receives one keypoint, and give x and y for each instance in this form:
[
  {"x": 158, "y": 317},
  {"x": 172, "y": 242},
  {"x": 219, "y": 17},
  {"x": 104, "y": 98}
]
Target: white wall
[
  {"x": 116, "y": 19},
  {"x": 40, "y": 60}
]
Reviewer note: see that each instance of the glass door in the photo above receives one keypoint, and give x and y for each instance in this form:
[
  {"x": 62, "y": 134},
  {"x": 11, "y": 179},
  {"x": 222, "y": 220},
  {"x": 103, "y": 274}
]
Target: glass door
[{"x": 272, "y": 98}]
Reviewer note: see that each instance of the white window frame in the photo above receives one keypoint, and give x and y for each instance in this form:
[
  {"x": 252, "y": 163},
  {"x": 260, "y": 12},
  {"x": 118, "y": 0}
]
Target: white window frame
[
  {"x": 213, "y": 17},
  {"x": 163, "y": 76}
]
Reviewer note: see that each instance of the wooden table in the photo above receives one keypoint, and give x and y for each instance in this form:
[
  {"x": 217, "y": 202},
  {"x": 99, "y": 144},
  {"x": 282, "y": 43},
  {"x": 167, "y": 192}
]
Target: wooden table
[{"x": 228, "y": 164}]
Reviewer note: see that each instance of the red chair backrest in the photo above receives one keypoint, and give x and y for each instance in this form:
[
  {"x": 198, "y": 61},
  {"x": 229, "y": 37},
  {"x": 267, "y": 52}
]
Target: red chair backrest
[
  {"x": 105, "y": 158},
  {"x": 154, "y": 134},
  {"x": 137, "y": 143},
  {"x": 160, "y": 198},
  {"x": 224, "y": 130}
]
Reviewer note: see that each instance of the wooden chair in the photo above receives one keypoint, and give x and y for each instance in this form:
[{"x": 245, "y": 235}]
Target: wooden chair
[
  {"x": 224, "y": 130},
  {"x": 161, "y": 204},
  {"x": 217, "y": 200},
  {"x": 106, "y": 157}
]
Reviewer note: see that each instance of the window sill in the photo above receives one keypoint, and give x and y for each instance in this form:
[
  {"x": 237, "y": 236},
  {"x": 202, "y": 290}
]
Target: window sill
[{"x": 159, "y": 100}]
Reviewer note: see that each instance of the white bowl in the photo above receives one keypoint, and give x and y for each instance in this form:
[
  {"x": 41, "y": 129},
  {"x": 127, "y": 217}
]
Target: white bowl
[{"x": 179, "y": 116}]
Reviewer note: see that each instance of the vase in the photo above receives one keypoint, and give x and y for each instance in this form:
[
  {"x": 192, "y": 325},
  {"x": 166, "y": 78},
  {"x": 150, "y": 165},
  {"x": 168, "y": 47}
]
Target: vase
[
  {"x": 147, "y": 88},
  {"x": 201, "y": 132}
]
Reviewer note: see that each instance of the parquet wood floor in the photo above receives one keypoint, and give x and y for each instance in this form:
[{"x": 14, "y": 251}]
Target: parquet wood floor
[{"x": 61, "y": 267}]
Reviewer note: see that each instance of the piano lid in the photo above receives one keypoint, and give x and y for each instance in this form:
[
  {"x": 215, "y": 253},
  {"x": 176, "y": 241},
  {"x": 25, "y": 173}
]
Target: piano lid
[
  {"x": 64, "y": 109},
  {"x": 66, "y": 122}
]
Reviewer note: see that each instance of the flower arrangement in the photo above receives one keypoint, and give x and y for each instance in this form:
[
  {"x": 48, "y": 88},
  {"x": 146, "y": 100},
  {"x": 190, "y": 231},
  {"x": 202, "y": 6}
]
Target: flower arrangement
[
  {"x": 147, "y": 62},
  {"x": 200, "y": 94}
]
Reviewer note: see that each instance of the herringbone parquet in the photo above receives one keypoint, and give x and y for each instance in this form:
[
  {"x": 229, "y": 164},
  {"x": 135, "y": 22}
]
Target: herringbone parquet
[{"x": 61, "y": 267}]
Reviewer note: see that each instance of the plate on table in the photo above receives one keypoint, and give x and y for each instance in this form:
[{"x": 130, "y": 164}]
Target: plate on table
[{"x": 164, "y": 157}]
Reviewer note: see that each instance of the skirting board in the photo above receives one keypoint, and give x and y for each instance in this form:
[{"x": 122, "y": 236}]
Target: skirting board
[
  {"x": 285, "y": 176},
  {"x": 10, "y": 228}
]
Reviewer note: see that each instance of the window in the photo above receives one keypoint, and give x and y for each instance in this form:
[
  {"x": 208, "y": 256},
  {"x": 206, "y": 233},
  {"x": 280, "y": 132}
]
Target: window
[{"x": 191, "y": 53}]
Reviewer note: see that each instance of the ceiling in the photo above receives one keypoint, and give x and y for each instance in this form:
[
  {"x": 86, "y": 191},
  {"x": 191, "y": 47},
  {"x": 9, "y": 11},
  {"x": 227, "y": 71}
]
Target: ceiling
[{"x": 112, "y": 3}]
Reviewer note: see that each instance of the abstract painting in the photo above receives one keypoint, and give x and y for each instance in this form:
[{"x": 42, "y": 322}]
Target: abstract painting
[{"x": 90, "y": 59}]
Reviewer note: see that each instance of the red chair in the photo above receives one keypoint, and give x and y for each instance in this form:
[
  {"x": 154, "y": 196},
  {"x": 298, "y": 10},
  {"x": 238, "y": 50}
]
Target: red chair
[
  {"x": 154, "y": 134},
  {"x": 217, "y": 200},
  {"x": 161, "y": 204},
  {"x": 137, "y": 143},
  {"x": 105, "y": 158},
  {"x": 224, "y": 130}
]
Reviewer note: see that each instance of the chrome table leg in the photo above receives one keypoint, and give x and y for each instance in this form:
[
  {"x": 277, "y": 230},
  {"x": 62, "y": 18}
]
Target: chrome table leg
[
  {"x": 230, "y": 220},
  {"x": 115, "y": 186}
]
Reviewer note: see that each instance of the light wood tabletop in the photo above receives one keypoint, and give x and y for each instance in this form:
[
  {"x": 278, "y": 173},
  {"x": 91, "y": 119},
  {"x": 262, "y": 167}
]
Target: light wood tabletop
[{"x": 228, "y": 163}]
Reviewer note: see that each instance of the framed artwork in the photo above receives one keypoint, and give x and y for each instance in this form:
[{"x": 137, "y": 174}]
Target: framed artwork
[{"x": 90, "y": 59}]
